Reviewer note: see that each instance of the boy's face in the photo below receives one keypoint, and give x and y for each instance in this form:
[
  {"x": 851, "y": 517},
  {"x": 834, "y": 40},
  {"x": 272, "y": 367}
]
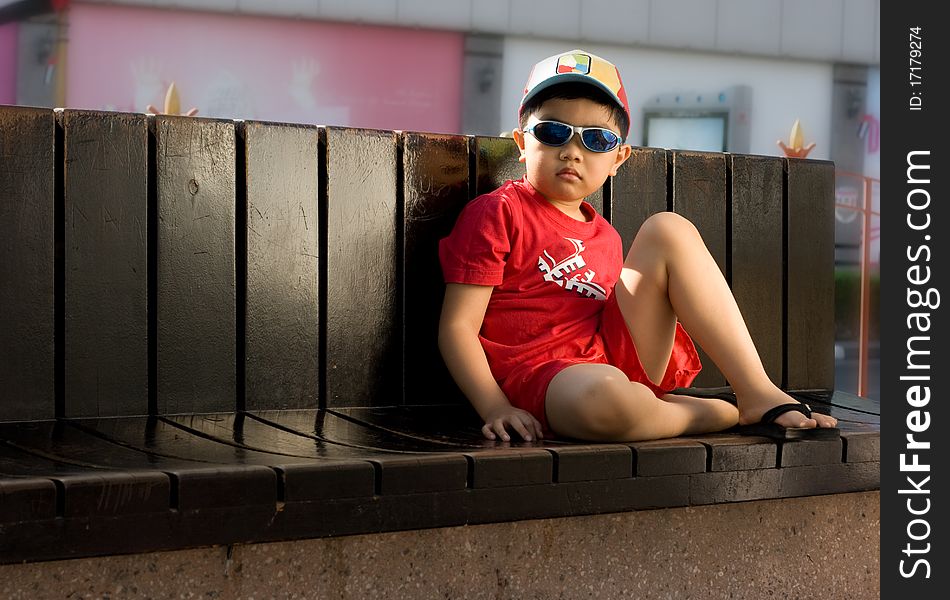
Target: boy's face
[{"x": 571, "y": 172}]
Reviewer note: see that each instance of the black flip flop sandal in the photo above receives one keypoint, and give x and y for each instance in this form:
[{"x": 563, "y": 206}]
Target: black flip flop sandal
[{"x": 768, "y": 428}]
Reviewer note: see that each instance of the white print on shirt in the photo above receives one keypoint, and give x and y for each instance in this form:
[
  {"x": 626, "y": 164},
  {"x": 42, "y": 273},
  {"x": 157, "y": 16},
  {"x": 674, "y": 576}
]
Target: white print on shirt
[{"x": 582, "y": 283}]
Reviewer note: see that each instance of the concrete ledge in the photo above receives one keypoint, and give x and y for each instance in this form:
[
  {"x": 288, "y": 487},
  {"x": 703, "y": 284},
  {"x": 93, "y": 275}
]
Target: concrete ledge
[{"x": 816, "y": 547}]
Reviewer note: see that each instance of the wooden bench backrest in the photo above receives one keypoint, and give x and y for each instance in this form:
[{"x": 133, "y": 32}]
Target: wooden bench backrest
[{"x": 183, "y": 265}]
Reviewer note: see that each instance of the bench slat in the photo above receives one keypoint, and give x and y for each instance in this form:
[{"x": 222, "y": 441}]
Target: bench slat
[
  {"x": 303, "y": 479},
  {"x": 158, "y": 436},
  {"x": 326, "y": 425},
  {"x": 669, "y": 457},
  {"x": 435, "y": 189},
  {"x": 871, "y": 407},
  {"x": 729, "y": 452},
  {"x": 848, "y": 416},
  {"x": 591, "y": 462},
  {"x": 106, "y": 254},
  {"x": 262, "y": 437},
  {"x": 26, "y": 262},
  {"x": 363, "y": 364},
  {"x": 229, "y": 474},
  {"x": 509, "y": 467},
  {"x": 24, "y": 500},
  {"x": 300, "y": 435},
  {"x": 447, "y": 428},
  {"x": 861, "y": 446},
  {"x": 637, "y": 191},
  {"x": 16, "y": 462},
  {"x": 454, "y": 424},
  {"x": 757, "y": 253},
  {"x": 597, "y": 199},
  {"x": 62, "y": 440},
  {"x": 800, "y": 453},
  {"x": 496, "y": 161},
  {"x": 811, "y": 285},
  {"x": 88, "y": 491},
  {"x": 282, "y": 322},
  {"x": 196, "y": 265},
  {"x": 842, "y": 413},
  {"x": 699, "y": 194}
]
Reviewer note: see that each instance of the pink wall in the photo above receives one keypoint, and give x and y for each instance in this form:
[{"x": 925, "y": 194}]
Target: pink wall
[
  {"x": 123, "y": 58},
  {"x": 8, "y": 37}
]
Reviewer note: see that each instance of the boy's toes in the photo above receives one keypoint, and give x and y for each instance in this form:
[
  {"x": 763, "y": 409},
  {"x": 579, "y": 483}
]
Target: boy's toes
[{"x": 795, "y": 419}]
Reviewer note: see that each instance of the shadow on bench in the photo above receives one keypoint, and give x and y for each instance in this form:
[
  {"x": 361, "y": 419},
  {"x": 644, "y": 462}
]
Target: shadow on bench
[{"x": 221, "y": 332}]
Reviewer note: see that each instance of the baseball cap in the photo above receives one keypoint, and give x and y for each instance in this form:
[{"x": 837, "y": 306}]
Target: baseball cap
[{"x": 576, "y": 65}]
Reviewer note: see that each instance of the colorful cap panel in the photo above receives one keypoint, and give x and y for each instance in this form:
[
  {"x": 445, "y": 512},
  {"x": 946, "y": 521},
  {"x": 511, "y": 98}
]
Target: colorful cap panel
[{"x": 573, "y": 63}]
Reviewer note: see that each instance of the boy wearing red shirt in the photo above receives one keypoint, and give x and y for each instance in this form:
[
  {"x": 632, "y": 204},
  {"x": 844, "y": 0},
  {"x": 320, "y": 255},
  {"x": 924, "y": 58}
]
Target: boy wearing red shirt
[{"x": 547, "y": 328}]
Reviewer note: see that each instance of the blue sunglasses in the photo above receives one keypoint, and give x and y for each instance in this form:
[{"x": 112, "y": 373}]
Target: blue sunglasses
[{"x": 555, "y": 133}]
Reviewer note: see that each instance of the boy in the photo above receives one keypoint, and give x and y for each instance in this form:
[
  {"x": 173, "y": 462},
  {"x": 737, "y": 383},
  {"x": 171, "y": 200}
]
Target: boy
[{"x": 546, "y": 328}]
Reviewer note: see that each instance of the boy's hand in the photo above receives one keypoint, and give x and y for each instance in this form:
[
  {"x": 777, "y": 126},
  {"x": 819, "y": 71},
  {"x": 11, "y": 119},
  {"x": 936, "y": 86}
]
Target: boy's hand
[{"x": 520, "y": 420}]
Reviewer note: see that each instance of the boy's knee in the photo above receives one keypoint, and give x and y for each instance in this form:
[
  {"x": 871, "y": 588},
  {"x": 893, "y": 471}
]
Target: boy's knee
[
  {"x": 668, "y": 227},
  {"x": 612, "y": 406}
]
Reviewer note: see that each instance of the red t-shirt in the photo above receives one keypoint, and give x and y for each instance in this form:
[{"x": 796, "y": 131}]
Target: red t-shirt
[{"x": 551, "y": 275}]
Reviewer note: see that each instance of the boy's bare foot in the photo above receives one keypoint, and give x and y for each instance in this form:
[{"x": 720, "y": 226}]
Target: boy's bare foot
[
  {"x": 754, "y": 404},
  {"x": 706, "y": 414}
]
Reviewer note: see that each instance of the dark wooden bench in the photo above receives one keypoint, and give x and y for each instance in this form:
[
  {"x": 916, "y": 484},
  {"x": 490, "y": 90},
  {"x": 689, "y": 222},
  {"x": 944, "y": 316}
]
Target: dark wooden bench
[{"x": 217, "y": 332}]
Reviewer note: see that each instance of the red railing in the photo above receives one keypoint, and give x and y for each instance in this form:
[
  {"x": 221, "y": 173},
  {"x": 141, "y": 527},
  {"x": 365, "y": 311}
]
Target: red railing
[{"x": 870, "y": 232}]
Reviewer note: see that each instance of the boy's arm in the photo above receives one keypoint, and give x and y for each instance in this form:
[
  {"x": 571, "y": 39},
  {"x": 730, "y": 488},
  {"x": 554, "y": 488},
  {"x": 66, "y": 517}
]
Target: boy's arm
[{"x": 462, "y": 313}]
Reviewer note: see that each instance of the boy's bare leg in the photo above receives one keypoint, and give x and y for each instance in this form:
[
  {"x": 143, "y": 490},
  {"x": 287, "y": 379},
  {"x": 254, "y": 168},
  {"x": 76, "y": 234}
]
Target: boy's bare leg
[
  {"x": 669, "y": 273},
  {"x": 596, "y": 402}
]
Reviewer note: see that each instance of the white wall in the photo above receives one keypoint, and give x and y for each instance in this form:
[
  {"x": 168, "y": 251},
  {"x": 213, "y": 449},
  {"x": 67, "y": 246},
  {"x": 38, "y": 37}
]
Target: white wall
[{"x": 783, "y": 90}]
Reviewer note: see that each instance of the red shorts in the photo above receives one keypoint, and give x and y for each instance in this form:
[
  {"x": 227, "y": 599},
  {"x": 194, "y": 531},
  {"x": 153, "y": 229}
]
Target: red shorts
[{"x": 527, "y": 387}]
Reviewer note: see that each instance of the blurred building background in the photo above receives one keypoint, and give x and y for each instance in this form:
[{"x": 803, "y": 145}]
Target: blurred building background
[{"x": 728, "y": 75}]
